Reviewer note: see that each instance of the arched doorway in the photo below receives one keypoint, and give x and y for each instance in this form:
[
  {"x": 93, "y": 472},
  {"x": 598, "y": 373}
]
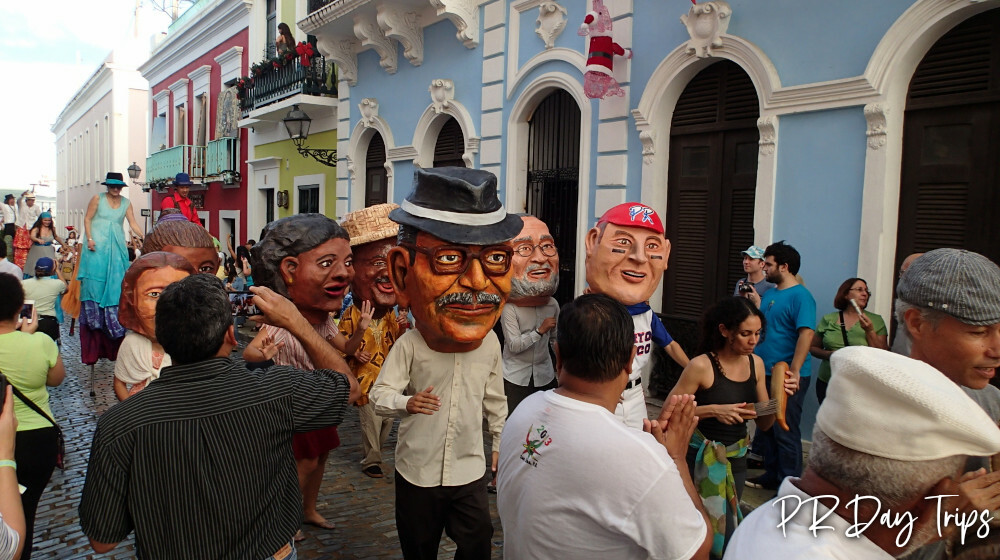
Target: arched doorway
[
  {"x": 450, "y": 145},
  {"x": 553, "y": 178},
  {"x": 711, "y": 190},
  {"x": 951, "y": 144},
  {"x": 376, "y": 177}
]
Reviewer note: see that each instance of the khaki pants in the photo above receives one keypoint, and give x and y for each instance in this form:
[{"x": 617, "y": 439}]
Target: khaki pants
[{"x": 374, "y": 432}]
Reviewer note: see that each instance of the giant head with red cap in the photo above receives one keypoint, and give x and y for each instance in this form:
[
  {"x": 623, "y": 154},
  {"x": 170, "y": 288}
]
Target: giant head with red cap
[{"x": 627, "y": 253}]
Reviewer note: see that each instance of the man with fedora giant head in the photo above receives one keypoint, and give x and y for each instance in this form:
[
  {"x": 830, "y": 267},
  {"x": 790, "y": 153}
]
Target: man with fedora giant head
[
  {"x": 452, "y": 269},
  {"x": 180, "y": 200}
]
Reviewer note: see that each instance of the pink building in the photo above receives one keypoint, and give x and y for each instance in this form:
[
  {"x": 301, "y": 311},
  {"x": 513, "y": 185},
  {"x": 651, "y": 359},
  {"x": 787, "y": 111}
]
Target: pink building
[{"x": 194, "y": 113}]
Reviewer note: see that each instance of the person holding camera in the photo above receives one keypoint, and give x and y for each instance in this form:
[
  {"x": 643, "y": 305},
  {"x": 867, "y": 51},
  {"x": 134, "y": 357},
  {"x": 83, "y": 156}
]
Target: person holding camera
[
  {"x": 31, "y": 362},
  {"x": 11, "y": 514},
  {"x": 756, "y": 280}
]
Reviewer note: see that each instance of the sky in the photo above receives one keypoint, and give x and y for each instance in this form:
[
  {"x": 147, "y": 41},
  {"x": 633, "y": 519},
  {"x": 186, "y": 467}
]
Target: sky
[{"x": 48, "y": 51}]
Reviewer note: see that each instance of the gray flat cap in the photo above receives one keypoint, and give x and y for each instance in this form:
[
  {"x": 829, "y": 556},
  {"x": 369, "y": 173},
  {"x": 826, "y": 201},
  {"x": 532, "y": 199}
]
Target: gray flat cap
[{"x": 960, "y": 283}]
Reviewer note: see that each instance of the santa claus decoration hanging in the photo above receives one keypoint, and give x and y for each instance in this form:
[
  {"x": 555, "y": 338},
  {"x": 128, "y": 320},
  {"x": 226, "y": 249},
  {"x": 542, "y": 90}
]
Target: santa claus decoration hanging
[{"x": 599, "y": 81}]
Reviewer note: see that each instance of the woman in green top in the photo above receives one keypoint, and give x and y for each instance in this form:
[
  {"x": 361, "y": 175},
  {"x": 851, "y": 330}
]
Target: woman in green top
[
  {"x": 850, "y": 326},
  {"x": 31, "y": 363}
]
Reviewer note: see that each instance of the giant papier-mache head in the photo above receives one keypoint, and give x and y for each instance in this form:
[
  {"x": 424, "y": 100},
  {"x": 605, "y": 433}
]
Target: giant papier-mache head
[
  {"x": 452, "y": 267},
  {"x": 627, "y": 253},
  {"x": 144, "y": 281},
  {"x": 536, "y": 264},
  {"x": 373, "y": 234},
  {"x": 306, "y": 258}
]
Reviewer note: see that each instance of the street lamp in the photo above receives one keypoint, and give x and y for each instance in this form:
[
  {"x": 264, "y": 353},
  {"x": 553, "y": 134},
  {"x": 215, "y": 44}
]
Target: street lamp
[
  {"x": 133, "y": 172},
  {"x": 297, "y": 124}
]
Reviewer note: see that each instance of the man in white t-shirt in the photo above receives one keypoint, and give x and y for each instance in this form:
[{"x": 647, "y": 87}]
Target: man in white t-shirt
[
  {"x": 888, "y": 442},
  {"x": 574, "y": 481}
]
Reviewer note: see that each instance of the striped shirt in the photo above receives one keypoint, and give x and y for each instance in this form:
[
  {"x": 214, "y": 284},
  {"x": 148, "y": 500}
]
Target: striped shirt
[{"x": 200, "y": 463}]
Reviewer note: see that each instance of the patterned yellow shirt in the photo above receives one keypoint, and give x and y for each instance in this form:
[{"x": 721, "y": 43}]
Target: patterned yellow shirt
[{"x": 378, "y": 339}]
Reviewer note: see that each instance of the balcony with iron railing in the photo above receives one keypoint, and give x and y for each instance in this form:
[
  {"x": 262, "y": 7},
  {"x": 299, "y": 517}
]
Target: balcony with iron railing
[
  {"x": 165, "y": 164},
  {"x": 272, "y": 81},
  {"x": 315, "y": 5},
  {"x": 217, "y": 161}
]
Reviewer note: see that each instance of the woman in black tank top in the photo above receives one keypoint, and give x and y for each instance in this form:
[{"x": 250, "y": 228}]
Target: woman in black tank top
[{"x": 726, "y": 379}]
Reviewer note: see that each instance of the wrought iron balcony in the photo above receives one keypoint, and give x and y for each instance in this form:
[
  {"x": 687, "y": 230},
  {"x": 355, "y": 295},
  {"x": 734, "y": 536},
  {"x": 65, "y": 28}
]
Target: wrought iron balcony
[
  {"x": 282, "y": 81},
  {"x": 165, "y": 164},
  {"x": 315, "y": 5},
  {"x": 221, "y": 155}
]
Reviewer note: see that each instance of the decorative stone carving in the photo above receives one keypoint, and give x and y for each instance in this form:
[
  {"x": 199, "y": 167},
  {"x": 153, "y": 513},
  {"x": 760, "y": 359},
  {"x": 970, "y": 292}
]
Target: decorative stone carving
[
  {"x": 465, "y": 15},
  {"x": 351, "y": 170},
  {"x": 369, "y": 111},
  {"x": 442, "y": 92},
  {"x": 343, "y": 53},
  {"x": 550, "y": 23},
  {"x": 404, "y": 27},
  {"x": 706, "y": 23},
  {"x": 768, "y": 134},
  {"x": 371, "y": 35},
  {"x": 648, "y": 140},
  {"x": 875, "y": 116}
]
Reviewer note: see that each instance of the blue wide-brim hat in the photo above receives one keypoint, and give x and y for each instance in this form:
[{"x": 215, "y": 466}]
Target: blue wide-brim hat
[
  {"x": 458, "y": 205},
  {"x": 114, "y": 180},
  {"x": 182, "y": 180}
]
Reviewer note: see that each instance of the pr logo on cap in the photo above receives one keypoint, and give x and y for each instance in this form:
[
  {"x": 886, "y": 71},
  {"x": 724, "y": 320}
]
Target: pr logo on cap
[{"x": 638, "y": 209}]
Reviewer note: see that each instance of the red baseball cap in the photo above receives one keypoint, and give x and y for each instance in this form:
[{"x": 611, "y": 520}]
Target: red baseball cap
[{"x": 633, "y": 214}]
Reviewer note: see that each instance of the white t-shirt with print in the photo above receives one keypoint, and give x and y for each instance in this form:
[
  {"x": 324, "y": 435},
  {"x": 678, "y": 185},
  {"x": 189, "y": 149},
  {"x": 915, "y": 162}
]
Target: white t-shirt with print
[{"x": 574, "y": 482}]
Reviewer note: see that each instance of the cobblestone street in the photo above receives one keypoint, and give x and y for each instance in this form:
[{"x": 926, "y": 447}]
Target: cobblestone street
[{"x": 362, "y": 507}]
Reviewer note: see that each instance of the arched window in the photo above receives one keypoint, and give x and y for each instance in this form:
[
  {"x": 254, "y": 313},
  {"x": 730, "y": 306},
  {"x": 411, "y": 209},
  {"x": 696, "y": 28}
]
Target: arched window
[
  {"x": 553, "y": 178},
  {"x": 450, "y": 145},
  {"x": 948, "y": 185},
  {"x": 376, "y": 177}
]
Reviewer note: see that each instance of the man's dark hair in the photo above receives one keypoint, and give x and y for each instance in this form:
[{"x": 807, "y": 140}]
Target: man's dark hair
[
  {"x": 192, "y": 317},
  {"x": 784, "y": 254},
  {"x": 13, "y": 296},
  {"x": 596, "y": 337},
  {"x": 408, "y": 235},
  {"x": 289, "y": 237}
]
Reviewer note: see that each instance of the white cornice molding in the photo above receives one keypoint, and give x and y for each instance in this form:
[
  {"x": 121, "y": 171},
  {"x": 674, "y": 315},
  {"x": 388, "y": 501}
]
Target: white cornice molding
[
  {"x": 200, "y": 78},
  {"x": 180, "y": 91},
  {"x": 401, "y": 153},
  {"x": 100, "y": 83},
  {"x": 465, "y": 15},
  {"x": 344, "y": 53},
  {"x": 161, "y": 100},
  {"x": 230, "y": 64},
  {"x": 556, "y": 54},
  {"x": 328, "y": 14},
  {"x": 217, "y": 24},
  {"x": 403, "y": 26},
  {"x": 371, "y": 35}
]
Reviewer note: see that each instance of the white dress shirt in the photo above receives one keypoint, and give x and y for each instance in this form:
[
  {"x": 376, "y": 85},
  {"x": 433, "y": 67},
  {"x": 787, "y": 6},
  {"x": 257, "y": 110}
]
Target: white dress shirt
[{"x": 444, "y": 448}]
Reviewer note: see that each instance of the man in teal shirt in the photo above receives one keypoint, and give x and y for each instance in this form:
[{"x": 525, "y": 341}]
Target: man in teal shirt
[{"x": 790, "y": 311}]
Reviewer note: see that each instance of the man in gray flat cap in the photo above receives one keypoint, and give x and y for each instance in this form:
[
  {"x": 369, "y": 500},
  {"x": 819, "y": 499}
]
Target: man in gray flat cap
[
  {"x": 949, "y": 303},
  {"x": 926, "y": 428}
]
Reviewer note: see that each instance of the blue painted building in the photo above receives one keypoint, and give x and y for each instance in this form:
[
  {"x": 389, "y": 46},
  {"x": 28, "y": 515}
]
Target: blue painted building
[{"x": 753, "y": 122}]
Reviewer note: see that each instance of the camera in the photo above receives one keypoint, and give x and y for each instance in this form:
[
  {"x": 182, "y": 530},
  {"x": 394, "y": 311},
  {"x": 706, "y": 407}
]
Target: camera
[{"x": 745, "y": 287}]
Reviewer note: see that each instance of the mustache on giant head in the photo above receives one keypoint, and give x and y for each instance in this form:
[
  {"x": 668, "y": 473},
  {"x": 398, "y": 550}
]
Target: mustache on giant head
[{"x": 467, "y": 298}]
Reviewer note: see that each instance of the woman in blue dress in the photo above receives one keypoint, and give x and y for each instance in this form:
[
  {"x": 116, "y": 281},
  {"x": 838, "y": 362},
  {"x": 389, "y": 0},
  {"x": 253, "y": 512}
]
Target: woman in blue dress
[{"x": 102, "y": 269}]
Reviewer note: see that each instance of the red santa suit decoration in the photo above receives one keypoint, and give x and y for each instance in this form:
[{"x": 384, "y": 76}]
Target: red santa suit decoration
[{"x": 599, "y": 81}]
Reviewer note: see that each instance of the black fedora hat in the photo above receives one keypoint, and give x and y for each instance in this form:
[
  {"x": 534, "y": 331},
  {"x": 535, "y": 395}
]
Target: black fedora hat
[
  {"x": 458, "y": 205},
  {"x": 114, "y": 180}
]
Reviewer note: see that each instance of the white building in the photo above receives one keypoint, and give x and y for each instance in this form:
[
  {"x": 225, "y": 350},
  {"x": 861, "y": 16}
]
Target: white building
[{"x": 101, "y": 129}]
